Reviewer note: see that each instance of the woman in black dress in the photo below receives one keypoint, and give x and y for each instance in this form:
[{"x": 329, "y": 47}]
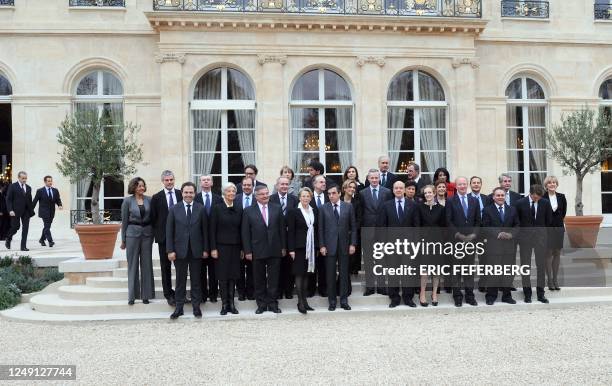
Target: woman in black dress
[
  {"x": 431, "y": 214},
  {"x": 350, "y": 194},
  {"x": 351, "y": 174},
  {"x": 225, "y": 246},
  {"x": 302, "y": 244},
  {"x": 556, "y": 232}
]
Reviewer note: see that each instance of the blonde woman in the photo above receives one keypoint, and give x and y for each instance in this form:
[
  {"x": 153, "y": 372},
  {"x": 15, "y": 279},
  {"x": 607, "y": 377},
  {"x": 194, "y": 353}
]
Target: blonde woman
[{"x": 556, "y": 233}]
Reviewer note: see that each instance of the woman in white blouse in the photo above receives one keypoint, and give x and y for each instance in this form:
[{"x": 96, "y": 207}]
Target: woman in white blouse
[
  {"x": 301, "y": 243},
  {"x": 557, "y": 232}
]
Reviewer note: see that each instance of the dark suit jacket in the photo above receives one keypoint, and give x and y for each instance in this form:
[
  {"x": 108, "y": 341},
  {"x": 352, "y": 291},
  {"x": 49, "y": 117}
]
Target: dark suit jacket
[
  {"x": 215, "y": 199},
  {"x": 261, "y": 240},
  {"x": 371, "y": 208},
  {"x": 543, "y": 213},
  {"x": 391, "y": 178},
  {"x": 313, "y": 202},
  {"x": 46, "y": 206},
  {"x": 182, "y": 234},
  {"x": 257, "y": 183},
  {"x": 159, "y": 213},
  {"x": 298, "y": 230},
  {"x": 334, "y": 235},
  {"x": 492, "y": 225},
  {"x": 19, "y": 201},
  {"x": 421, "y": 183},
  {"x": 291, "y": 201},
  {"x": 225, "y": 225},
  {"x": 239, "y": 198},
  {"x": 456, "y": 220},
  {"x": 559, "y": 214},
  {"x": 388, "y": 215}
]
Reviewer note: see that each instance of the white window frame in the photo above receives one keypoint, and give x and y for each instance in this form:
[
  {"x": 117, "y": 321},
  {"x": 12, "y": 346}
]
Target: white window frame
[{"x": 607, "y": 216}]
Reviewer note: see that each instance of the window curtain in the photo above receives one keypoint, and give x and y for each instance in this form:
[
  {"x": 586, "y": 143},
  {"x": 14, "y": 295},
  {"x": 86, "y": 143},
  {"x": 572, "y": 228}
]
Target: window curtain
[
  {"x": 111, "y": 85},
  {"x": 210, "y": 120},
  {"x": 240, "y": 89},
  {"x": 297, "y": 139},
  {"x": 399, "y": 90},
  {"x": 432, "y": 118},
  {"x": 537, "y": 138},
  {"x": 343, "y": 121},
  {"x": 513, "y": 140}
]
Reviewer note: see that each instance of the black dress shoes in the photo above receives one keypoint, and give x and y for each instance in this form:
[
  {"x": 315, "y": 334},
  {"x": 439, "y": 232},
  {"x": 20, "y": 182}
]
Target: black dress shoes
[
  {"x": 24, "y": 249},
  {"x": 345, "y": 306},
  {"x": 301, "y": 308},
  {"x": 288, "y": 296},
  {"x": 176, "y": 314},
  {"x": 307, "y": 306},
  {"x": 130, "y": 302},
  {"x": 232, "y": 309},
  {"x": 275, "y": 309},
  {"x": 145, "y": 301},
  {"x": 458, "y": 302},
  {"x": 42, "y": 243},
  {"x": 260, "y": 310},
  {"x": 471, "y": 302},
  {"x": 508, "y": 300},
  {"x": 51, "y": 244},
  {"x": 394, "y": 303},
  {"x": 223, "y": 310},
  {"x": 542, "y": 299},
  {"x": 197, "y": 312},
  {"x": 241, "y": 297},
  {"x": 332, "y": 307},
  {"x": 490, "y": 302},
  {"x": 7, "y": 244},
  {"x": 171, "y": 302},
  {"x": 368, "y": 291},
  {"x": 527, "y": 299},
  {"x": 409, "y": 303}
]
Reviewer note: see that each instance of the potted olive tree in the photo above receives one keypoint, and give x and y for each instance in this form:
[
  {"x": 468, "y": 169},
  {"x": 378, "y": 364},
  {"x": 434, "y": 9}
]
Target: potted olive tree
[
  {"x": 580, "y": 144},
  {"x": 96, "y": 148}
]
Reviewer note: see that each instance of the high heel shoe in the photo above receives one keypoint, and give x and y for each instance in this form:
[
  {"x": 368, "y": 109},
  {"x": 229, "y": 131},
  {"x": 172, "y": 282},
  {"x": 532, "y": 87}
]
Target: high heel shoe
[
  {"x": 307, "y": 306},
  {"x": 434, "y": 302},
  {"x": 423, "y": 304},
  {"x": 301, "y": 308}
]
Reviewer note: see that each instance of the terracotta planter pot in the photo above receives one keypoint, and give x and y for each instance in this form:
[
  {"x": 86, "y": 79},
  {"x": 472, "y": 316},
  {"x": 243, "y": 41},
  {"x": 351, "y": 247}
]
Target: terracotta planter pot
[
  {"x": 97, "y": 241},
  {"x": 583, "y": 230}
]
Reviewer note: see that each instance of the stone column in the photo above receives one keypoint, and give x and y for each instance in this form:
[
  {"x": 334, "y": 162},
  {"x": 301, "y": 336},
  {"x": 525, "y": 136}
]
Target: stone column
[{"x": 463, "y": 130}]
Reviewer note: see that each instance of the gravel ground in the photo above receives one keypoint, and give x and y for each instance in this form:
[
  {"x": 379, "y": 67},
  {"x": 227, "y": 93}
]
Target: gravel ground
[{"x": 556, "y": 346}]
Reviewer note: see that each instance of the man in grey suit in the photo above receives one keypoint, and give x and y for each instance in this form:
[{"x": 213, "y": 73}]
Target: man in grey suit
[
  {"x": 187, "y": 245},
  {"x": 263, "y": 242},
  {"x": 337, "y": 240},
  {"x": 372, "y": 201}
]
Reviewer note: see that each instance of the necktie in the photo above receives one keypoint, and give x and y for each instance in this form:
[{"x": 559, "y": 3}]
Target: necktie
[
  {"x": 336, "y": 214},
  {"x": 189, "y": 212},
  {"x": 170, "y": 200},
  {"x": 49, "y": 193},
  {"x": 375, "y": 191},
  {"x": 400, "y": 210},
  {"x": 508, "y": 198},
  {"x": 283, "y": 204},
  {"x": 207, "y": 203},
  {"x": 464, "y": 205},
  {"x": 501, "y": 213},
  {"x": 23, "y": 188},
  {"x": 533, "y": 210},
  {"x": 384, "y": 179},
  {"x": 264, "y": 214},
  {"x": 247, "y": 201},
  {"x": 319, "y": 201}
]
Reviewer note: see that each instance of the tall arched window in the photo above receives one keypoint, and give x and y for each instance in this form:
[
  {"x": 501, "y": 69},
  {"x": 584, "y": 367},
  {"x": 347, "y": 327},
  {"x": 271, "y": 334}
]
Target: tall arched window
[
  {"x": 6, "y": 136},
  {"x": 100, "y": 91},
  {"x": 321, "y": 123},
  {"x": 416, "y": 122},
  {"x": 222, "y": 125},
  {"x": 526, "y": 133},
  {"x": 605, "y": 93}
]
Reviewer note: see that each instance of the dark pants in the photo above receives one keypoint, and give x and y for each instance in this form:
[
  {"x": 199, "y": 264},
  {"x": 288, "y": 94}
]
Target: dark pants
[
  {"x": 463, "y": 281},
  {"x": 46, "y": 232},
  {"x": 407, "y": 293},
  {"x": 245, "y": 281},
  {"x": 286, "y": 279},
  {"x": 318, "y": 279},
  {"x": 501, "y": 283},
  {"x": 226, "y": 290},
  {"x": 25, "y": 225},
  {"x": 539, "y": 247},
  {"x": 342, "y": 261},
  {"x": 166, "y": 271},
  {"x": 194, "y": 265},
  {"x": 265, "y": 273},
  {"x": 210, "y": 285}
]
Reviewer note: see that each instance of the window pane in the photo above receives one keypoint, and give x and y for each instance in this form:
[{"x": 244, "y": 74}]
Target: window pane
[
  {"x": 605, "y": 91},
  {"x": 340, "y": 118},
  {"x": 430, "y": 161},
  {"x": 304, "y": 118},
  {"x": 206, "y": 140},
  {"x": 432, "y": 118},
  {"x": 113, "y": 112},
  {"x": 305, "y": 140},
  {"x": 209, "y": 85},
  {"x": 302, "y": 160},
  {"x": 429, "y": 88},
  {"x": 207, "y": 164},
  {"x": 536, "y": 116},
  {"x": 401, "y": 160},
  {"x": 113, "y": 206},
  {"x": 235, "y": 164},
  {"x": 5, "y": 86},
  {"x": 606, "y": 203},
  {"x": 241, "y": 140},
  {"x": 241, "y": 119},
  {"x": 86, "y": 108},
  {"x": 206, "y": 119},
  {"x": 88, "y": 85},
  {"x": 336, "y": 87},
  {"x": 514, "y": 115},
  {"x": 534, "y": 91},
  {"x": 401, "y": 118},
  {"x": 337, "y": 162},
  {"x": 111, "y": 84},
  {"x": 537, "y": 160},
  {"x": 537, "y": 138},
  {"x": 239, "y": 86},
  {"x": 113, "y": 187},
  {"x": 338, "y": 140},
  {"x": 515, "y": 138},
  {"x": 518, "y": 182},
  {"x": 433, "y": 140},
  {"x": 306, "y": 87},
  {"x": 515, "y": 160},
  {"x": 606, "y": 175},
  {"x": 514, "y": 90},
  {"x": 400, "y": 88},
  {"x": 536, "y": 178}
]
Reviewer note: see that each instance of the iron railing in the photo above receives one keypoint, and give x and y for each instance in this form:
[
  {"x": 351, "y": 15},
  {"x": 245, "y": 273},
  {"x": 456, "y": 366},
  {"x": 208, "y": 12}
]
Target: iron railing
[
  {"x": 526, "y": 9},
  {"x": 603, "y": 11},
  {"x": 7, "y": 2},
  {"x": 443, "y": 8},
  {"x": 84, "y": 216},
  {"x": 96, "y": 3}
]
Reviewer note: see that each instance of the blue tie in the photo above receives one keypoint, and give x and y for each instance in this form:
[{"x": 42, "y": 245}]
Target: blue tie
[
  {"x": 464, "y": 205},
  {"x": 501, "y": 213},
  {"x": 207, "y": 203},
  {"x": 400, "y": 210},
  {"x": 375, "y": 191},
  {"x": 171, "y": 199},
  {"x": 319, "y": 201},
  {"x": 247, "y": 201}
]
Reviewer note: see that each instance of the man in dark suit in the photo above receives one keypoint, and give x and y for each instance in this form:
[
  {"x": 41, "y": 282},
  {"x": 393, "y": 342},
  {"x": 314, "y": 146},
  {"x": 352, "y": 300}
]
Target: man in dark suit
[
  {"x": 463, "y": 221},
  {"x": 19, "y": 206},
  {"x": 250, "y": 171},
  {"x": 48, "y": 197},
  {"x": 337, "y": 241},
  {"x": 372, "y": 199},
  {"x": 386, "y": 177},
  {"x": 264, "y": 242},
  {"x": 316, "y": 168},
  {"x": 208, "y": 199},
  {"x": 500, "y": 226},
  {"x": 286, "y": 202},
  {"x": 505, "y": 181},
  {"x": 161, "y": 203},
  {"x": 244, "y": 285},
  {"x": 535, "y": 215},
  {"x": 187, "y": 245},
  {"x": 414, "y": 174},
  {"x": 318, "y": 279},
  {"x": 399, "y": 213},
  {"x": 483, "y": 201}
]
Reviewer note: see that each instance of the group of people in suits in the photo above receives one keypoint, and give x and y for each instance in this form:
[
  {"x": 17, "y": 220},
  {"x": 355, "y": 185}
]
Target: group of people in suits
[
  {"x": 19, "y": 208},
  {"x": 303, "y": 240}
]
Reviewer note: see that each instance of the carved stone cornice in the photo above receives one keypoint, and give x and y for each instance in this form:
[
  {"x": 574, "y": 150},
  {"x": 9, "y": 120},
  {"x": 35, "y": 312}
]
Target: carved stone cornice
[
  {"x": 162, "y": 57},
  {"x": 472, "y": 61},
  {"x": 263, "y": 59},
  {"x": 362, "y": 60}
]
